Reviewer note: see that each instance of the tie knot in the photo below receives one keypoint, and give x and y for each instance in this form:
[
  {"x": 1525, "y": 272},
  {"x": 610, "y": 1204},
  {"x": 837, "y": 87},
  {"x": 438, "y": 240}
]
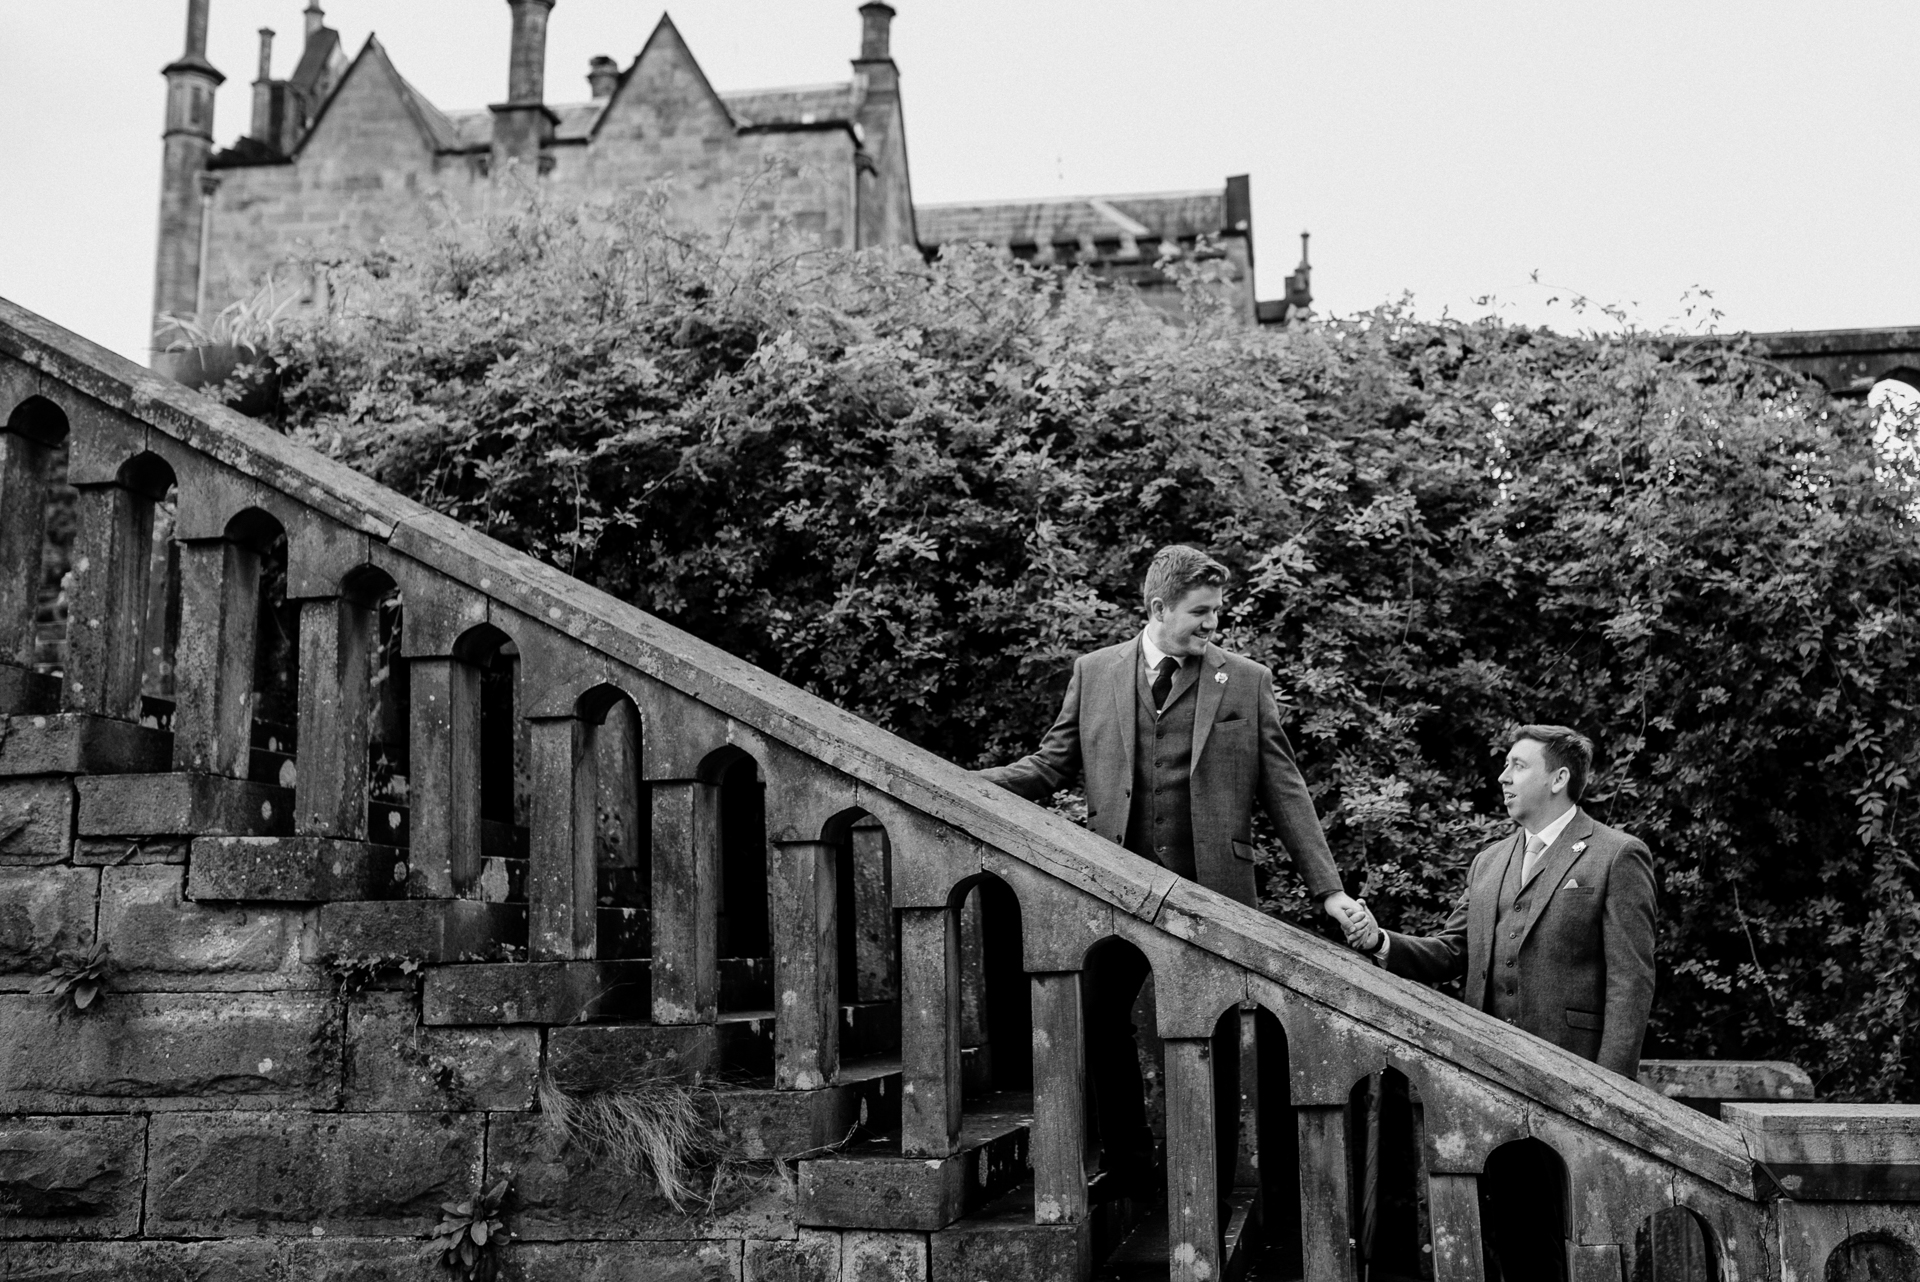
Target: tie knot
[
  {"x": 1535, "y": 844},
  {"x": 1168, "y": 666}
]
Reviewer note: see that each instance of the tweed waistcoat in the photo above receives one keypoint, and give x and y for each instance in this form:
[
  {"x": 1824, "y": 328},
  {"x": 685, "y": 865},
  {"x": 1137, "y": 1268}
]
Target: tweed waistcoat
[
  {"x": 1503, "y": 971},
  {"x": 1160, "y": 814}
]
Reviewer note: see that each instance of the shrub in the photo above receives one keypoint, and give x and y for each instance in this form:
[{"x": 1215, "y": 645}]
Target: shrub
[{"x": 920, "y": 489}]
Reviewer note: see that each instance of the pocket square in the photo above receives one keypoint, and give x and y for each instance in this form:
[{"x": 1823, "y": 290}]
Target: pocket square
[{"x": 1571, "y": 884}]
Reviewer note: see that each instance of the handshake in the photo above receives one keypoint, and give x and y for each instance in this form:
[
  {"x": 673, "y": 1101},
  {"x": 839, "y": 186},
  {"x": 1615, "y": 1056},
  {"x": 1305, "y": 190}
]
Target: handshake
[{"x": 1362, "y": 931}]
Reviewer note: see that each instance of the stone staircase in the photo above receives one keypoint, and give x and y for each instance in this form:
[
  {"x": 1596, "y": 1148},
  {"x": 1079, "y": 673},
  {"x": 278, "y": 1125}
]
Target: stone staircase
[{"x": 516, "y": 837}]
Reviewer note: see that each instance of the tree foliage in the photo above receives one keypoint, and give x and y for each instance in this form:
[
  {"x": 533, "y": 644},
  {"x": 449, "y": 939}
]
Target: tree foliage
[{"x": 920, "y": 489}]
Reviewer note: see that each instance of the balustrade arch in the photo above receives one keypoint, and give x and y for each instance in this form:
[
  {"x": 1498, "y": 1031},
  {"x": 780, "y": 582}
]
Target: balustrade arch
[
  {"x": 113, "y": 562},
  {"x": 462, "y": 745},
  {"x": 237, "y": 661},
  {"x": 33, "y": 450}
]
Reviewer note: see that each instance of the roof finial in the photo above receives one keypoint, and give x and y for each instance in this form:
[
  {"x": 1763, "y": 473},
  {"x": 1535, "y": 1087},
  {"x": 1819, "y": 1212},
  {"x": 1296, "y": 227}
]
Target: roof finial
[{"x": 316, "y": 18}]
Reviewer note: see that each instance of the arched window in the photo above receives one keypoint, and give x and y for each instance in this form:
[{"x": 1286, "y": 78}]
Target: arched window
[
  {"x": 1525, "y": 1211},
  {"x": 1674, "y": 1246}
]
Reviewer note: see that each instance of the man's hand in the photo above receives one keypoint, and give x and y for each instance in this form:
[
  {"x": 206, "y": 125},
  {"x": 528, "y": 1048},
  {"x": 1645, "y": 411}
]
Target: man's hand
[
  {"x": 1363, "y": 932},
  {"x": 1344, "y": 909}
]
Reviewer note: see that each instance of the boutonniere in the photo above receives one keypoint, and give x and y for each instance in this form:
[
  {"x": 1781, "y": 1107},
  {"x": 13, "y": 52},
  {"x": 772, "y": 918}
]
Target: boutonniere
[
  {"x": 1221, "y": 677},
  {"x": 1579, "y": 847}
]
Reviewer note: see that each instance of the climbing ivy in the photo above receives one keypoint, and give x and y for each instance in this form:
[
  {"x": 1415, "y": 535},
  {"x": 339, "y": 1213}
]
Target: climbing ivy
[{"x": 920, "y": 489}]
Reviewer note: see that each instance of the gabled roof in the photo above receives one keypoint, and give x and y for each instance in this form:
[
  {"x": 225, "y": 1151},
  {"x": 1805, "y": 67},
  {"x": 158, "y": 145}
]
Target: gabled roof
[
  {"x": 1174, "y": 215},
  {"x": 435, "y": 129},
  {"x": 668, "y": 39},
  {"x": 803, "y": 105}
]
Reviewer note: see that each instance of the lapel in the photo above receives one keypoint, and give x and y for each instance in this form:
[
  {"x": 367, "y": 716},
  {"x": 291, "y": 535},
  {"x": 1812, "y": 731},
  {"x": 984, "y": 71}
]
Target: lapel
[
  {"x": 1121, "y": 678},
  {"x": 1208, "y": 698},
  {"x": 1552, "y": 873},
  {"x": 1483, "y": 901}
]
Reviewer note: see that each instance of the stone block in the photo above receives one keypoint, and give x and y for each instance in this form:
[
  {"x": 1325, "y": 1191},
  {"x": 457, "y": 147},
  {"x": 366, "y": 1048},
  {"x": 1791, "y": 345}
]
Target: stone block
[
  {"x": 536, "y": 992},
  {"x": 1716, "y": 1081},
  {"x": 80, "y": 743},
  {"x": 163, "y": 1051},
  {"x": 240, "y": 1174},
  {"x": 71, "y": 1177},
  {"x": 197, "y": 805},
  {"x": 883, "y": 1257},
  {"x": 812, "y": 1256},
  {"x": 116, "y": 851},
  {"x": 1834, "y": 1152},
  {"x": 152, "y": 928},
  {"x": 36, "y": 821},
  {"x": 428, "y": 930},
  {"x": 295, "y": 869},
  {"x": 562, "y": 1191},
  {"x": 998, "y": 1248},
  {"x": 257, "y": 1260},
  {"x": 347, "y": 1259},
  {"x": 395, "y": 1065},
  {"x": 622, "y": 1262},
  {"x": 878, "y": 1190},
  {"x": 43, "y": 912}
]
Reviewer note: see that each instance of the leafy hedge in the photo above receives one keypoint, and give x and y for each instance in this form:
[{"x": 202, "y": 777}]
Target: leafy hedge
[{"x": 919, "y": 490}]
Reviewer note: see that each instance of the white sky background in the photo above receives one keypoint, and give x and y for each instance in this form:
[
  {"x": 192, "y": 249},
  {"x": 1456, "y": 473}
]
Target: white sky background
[{"x": 1628, "y": 150}]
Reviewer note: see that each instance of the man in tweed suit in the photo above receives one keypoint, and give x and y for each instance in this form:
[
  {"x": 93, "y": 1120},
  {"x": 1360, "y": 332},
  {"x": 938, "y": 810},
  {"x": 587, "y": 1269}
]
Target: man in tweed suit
[
  {"x": 1554, "y": 935},
  {"x": 1176, "y": 739},
  {"x": 1555, "y": 931}
]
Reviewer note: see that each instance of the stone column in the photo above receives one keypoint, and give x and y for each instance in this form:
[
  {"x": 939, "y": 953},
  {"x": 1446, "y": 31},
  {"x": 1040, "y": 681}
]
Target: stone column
[
  {"x": 686, "y": 901},
  {"x": 801, "y": 876},
  {"x": 1059, "y": 1100},
  {"x": 929, "y": 1032}
]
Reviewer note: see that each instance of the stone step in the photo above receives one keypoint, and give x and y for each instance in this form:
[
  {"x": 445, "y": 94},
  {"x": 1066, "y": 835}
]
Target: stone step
[
  {"x": 862, "y": 1105},
  {"x": 80, "y": 743},
  {"x": 567, "y": 992},
  {"x": 265, "y": 765},
  {"x": 26, "y": 692},
  {"x": 873, "y": 1186},
  {"x": 1001, "y": 1243},
  {"x": 422, "y": 930},
  {"x": 181, "y": 804},
  {"x": 294, "y": 870}
]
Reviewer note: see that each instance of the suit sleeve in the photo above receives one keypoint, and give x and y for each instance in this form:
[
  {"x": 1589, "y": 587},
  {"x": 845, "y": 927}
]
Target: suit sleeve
[
  {"x": 1284, "y": 793},
  {"x": 1438, "y": 958},
  {"x": 1627, "y": 935},
  {"x": 1056, "y": 762}
]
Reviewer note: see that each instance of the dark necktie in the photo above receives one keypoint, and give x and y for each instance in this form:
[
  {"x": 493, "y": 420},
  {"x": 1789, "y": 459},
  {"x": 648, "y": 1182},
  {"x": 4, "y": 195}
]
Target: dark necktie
[{"x": 1163, "y": 683}]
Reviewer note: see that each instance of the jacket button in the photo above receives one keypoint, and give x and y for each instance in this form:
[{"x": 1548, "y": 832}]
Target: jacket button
[{"x": 1510, "y": 961}]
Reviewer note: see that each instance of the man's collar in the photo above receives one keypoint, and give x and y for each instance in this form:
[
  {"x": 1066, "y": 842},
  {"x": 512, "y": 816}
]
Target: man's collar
[
  {"x": 1551, "y": 833},
  {"x": 1151, "y": 652}
]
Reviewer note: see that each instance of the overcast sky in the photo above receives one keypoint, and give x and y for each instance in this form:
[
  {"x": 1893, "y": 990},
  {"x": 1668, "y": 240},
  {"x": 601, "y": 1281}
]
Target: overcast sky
[{"x": 1769, "y": 152}]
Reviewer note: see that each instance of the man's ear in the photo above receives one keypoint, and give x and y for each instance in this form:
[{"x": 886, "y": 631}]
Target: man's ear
[
  {"x": 1561, "y": 778},
  {"x": 1157, "y": 610}
]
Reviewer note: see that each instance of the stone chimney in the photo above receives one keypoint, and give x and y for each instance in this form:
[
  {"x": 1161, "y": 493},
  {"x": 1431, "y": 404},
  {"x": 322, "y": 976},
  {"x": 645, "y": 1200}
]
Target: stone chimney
[
  {"x": 523, "y": 123},
  {"x": 876, "y": 28},
  {"x": 603, "y": 73},
  {"x": 188, "y": 141},
  {"x": 316, "y": 18},
  {"x": 267, "y": 95},
  {"x": 1300, "y": 282}
]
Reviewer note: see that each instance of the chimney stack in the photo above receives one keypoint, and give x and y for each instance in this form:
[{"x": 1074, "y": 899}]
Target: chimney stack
[
  {"x": 268, "y": 96},
  {"x": 316, "y": 18},
  {"x": 527, "y": 70},
  {"x": 523, "y": 123},
  {"x": 876, "y": 23},
  {"x": 187, "y": 142},
  {"x": 603, "y": 73},
  {"x": 196, "y": 31}
]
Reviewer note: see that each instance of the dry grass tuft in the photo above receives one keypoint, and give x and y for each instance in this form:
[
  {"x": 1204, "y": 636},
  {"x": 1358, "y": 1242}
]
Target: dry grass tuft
[{"x": 648, "y": 1124}]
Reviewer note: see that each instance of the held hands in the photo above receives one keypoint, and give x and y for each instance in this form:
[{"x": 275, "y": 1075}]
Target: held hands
[{"x": 1362, "y": 931}]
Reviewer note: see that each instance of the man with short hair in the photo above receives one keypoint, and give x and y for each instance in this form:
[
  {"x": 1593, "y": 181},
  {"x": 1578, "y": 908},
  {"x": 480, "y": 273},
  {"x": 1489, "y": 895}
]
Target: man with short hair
[
  {"x": 1555, "y": 931},
  {"x": 1554, "y": 935},
  {"x": 1176, "y": 739}
]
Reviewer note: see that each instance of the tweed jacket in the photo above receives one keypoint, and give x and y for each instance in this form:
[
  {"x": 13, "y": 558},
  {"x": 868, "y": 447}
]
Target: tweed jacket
[
  {"x": 1240, "y": 754},
  {"x": 1585, "y": 927}
]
